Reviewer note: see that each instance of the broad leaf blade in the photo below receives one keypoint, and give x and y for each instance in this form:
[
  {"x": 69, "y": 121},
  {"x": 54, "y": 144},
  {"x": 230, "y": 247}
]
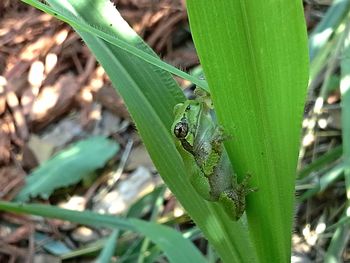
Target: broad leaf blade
[
  {"x": 254, "y": 56},
  {"x": 67, "y": 167}
]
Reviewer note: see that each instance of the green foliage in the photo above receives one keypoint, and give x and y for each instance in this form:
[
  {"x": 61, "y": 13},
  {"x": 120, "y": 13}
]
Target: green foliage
[
  {"x": 328, "y": 178},
  {"x": 345, "y": 103},
  {"x": 257, "y": 73},
  {"x": 169, "y": 240},
  {"x": 341, "y": 236},
  {"x": 326, "y": 28},
  {"x": 108, "y": 249},
  {"x": 322, "y": 161},
  {"x": 329, "y": 49},
  {"x": 150, "y": 95},
  {"x": 68, "y": 166}
]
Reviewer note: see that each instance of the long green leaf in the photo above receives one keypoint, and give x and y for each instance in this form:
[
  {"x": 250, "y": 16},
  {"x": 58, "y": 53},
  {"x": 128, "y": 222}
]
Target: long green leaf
[
  {"x": 150, "y": 95},
  {"x": 170, "y": 241},
  {"x": 338, "y": 243},
  {"x": 324, "y": 181},
  {"x": 68, "y": 167},
  {"x": 109, "y": 248},
  {"x": 254, "y": 56},
  {"x": 322, "y": 161}
]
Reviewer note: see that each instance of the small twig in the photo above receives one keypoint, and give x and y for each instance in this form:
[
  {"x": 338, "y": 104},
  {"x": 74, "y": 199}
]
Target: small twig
[{"x": 115, "y": 176}]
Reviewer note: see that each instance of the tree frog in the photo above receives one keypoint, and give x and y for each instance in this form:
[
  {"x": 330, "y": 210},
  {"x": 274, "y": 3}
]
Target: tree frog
[{"x": 202, "y": 139}]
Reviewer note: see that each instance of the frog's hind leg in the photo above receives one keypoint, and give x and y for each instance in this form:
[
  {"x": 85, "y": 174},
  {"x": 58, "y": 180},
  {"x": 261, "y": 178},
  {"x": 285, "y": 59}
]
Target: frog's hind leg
[
  {"x": 233, "y": 199},
  {"x": 233, "y": 203}
]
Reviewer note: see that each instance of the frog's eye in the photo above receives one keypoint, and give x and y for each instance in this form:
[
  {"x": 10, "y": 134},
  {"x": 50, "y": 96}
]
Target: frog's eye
[
  {"x": 181, "y": 129},
  {"x": 188, "y": 107}
]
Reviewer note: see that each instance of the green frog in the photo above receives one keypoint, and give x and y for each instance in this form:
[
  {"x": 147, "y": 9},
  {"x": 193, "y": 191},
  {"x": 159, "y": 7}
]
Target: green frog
[{"x": 202, "y": 139}]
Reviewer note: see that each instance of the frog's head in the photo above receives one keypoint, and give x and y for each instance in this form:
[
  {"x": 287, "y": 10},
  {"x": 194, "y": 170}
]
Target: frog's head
[{"x": 186, "y": 116}]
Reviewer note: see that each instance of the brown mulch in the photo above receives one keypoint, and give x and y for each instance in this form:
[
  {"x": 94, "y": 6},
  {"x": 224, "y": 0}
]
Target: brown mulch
[{"x": 46, "y": 72}]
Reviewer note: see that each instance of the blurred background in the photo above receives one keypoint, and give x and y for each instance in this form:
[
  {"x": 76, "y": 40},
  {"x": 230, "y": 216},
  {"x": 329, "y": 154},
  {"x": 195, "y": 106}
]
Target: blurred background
[{"x": 56, "y": 100}]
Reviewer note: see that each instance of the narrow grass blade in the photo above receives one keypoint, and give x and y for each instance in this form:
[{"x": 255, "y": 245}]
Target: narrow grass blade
[
  {"x": 320, "y": 61},
  {"x": 324, "y": 30},
  {"x": 145, "y": 204},
  {"x": 109, "y": 248},
  {"x": 155, "y": 211},
  {"x": 338, "y": 244},
  {"x": 322, "y": 161},
  {"x": 257, "y": 73},
  {"x": 157, "y": 233},
  {"x": 343, "y": 221},
  {"x": 91, "y": 248},
  {"x": 326, "y": 180}
]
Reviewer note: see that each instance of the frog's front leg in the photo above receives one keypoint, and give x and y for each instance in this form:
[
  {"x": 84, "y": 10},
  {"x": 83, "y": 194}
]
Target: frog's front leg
[{"x": 187, "y": 146}]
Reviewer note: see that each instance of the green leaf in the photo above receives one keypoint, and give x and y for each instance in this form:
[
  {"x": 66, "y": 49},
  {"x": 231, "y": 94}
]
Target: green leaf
[
  {"x": 170, "y": 241},
  {"x": 68, "y": 166},
  {"x": 324, "y": 181},
  {"x": 109, "y": 248},
  {"x": 150, "y": 95},
  {"x": 90, "y": 249},
  {"x": 254, "y": 56},
  {"x": 338, "y": 244},
  {"x": 322, "y": 161},
  {"x": 326, "y": 28},
  {"x": 145, "y": 204}
]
